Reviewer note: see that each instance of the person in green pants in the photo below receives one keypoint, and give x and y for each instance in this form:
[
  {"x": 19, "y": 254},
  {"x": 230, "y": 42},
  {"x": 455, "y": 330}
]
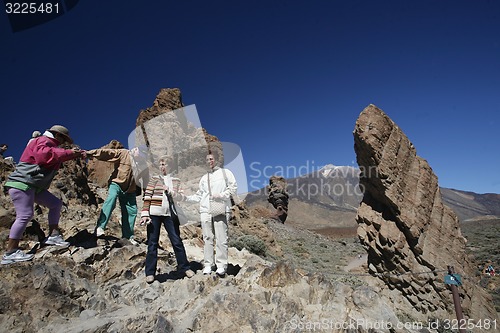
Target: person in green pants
[{"x": 129, "y": 167}]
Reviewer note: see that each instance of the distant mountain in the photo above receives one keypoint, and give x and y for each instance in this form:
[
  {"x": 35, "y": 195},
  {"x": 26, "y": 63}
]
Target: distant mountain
[
  {"x": 332, "y": 195},
  {"x": 332, "y": 187},
  {"x": 324, "y": 201},
  {"x": 469, "y": 205}
]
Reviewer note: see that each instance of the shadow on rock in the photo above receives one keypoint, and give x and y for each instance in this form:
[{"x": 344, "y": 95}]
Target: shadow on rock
[
  {"x": 83, "y": 239},
  {"x": 233, "y": 269},
  {"x": 35, "y": 230}
]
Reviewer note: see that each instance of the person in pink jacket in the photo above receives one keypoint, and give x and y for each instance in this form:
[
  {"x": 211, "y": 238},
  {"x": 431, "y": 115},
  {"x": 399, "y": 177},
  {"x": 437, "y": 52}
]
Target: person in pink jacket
[{"x": 28, "y": 184}]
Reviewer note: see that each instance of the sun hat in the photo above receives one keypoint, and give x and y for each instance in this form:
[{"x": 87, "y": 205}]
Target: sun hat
[{"x": 63, "y": 131}]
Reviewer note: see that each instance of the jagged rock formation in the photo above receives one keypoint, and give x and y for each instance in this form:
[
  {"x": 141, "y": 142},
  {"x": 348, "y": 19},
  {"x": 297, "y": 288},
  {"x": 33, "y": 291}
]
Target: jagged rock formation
[
  {"x": 166, "y": 100},
  {"x": 403, "y": 223},
  {"x": 277, "y": 195},
  {"x": 165, "y": 129}
]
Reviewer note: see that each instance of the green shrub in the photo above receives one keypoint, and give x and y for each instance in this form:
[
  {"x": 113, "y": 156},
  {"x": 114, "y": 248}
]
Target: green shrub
[{"x": 251, "y": 243}]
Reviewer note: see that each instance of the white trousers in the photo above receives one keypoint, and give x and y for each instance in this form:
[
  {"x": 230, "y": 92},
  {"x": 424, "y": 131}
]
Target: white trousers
[{"x": 214, "y": 231}]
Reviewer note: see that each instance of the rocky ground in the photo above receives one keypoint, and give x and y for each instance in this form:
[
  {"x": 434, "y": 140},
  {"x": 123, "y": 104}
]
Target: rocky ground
[
  {"x": 300, "y": 278},
  {"x": 97, "y": 285}
]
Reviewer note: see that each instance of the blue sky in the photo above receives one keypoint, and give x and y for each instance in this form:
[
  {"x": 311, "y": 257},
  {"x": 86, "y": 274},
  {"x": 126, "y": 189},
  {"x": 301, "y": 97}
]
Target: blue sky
[{"x": 285, "y": 80}]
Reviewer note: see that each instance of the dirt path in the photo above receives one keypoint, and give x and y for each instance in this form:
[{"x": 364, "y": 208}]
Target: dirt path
[
  {"x": 356, "y": 262},
  {"x": 337, "y": 232}
]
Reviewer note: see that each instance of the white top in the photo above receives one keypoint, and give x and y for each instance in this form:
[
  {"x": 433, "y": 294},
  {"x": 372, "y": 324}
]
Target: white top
[{"x": 218, "y": 185}]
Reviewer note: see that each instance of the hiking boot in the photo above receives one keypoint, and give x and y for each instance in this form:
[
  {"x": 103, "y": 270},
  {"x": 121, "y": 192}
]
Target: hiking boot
[
  {"x": 99, "y": 231},
  {"x": 150, "y": 279},
  {"x": 16, "y": 256},
  {"x": 133, "y": 241},
  {"x": 189, "y": 273},
  {"x": 56, "y": 240}
]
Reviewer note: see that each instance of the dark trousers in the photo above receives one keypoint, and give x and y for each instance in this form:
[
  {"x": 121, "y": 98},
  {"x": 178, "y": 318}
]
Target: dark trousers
[{"x": 154, "y": 237}]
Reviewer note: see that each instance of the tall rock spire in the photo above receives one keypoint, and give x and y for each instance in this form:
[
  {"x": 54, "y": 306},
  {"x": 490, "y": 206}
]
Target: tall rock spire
[{"x": 403, "y": 223}]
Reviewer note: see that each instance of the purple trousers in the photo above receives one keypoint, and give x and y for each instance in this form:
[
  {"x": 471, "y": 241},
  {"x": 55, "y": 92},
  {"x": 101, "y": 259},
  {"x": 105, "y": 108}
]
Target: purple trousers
[{"x": 24, "y": 202}]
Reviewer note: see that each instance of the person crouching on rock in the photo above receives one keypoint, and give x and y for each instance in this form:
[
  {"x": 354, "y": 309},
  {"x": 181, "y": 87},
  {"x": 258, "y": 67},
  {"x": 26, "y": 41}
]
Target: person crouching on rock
[
  {"x": 128, "y": 164},
  {"x": 28, "y": 185},
  {"x": 159, "y": 208}
]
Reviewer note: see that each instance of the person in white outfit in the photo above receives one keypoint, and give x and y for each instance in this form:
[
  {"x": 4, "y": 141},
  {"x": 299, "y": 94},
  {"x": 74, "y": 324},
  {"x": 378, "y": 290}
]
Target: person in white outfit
[{"x": 218, "y": 184}]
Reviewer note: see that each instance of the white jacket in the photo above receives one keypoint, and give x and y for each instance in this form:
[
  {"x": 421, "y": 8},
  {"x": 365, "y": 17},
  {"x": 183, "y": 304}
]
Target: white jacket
[{"x": 218, "y": 185}]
